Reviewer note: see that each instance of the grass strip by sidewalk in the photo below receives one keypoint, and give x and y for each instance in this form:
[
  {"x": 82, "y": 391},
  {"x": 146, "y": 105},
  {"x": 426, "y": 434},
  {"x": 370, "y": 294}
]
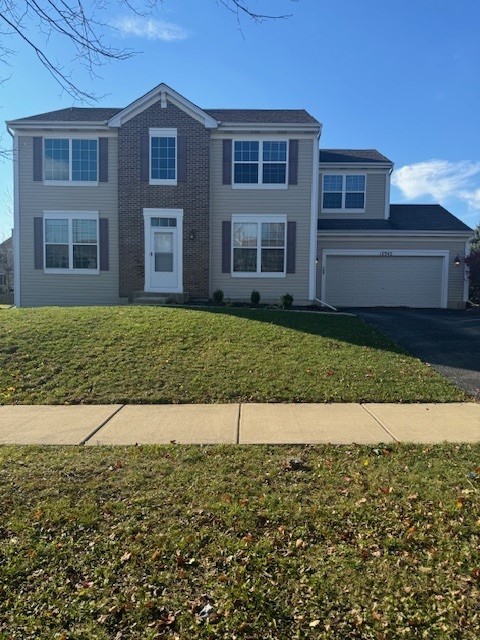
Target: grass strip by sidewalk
[
  {"x": 132, "y": 543},
  {"x": 186, "y": 355}
]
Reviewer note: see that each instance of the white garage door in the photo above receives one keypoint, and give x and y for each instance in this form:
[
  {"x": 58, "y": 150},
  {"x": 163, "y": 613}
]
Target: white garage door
[{"x": 384, "y": 280}]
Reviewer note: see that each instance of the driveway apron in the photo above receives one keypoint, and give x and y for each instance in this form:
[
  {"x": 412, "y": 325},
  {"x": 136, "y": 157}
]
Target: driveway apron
[{"x": 448, "y": 340}]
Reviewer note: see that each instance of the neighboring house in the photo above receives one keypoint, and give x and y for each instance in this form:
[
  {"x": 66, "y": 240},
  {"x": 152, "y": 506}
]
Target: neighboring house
[
  {"x": 6, "y": 271},
  {"x": 165, "y": 197}
]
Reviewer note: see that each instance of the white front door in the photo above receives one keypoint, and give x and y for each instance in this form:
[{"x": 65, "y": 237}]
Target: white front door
[{"x": 163, "y": 254}]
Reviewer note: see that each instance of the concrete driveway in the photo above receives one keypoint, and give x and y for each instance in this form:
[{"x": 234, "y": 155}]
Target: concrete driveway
[{"x": 448, "y": 340}]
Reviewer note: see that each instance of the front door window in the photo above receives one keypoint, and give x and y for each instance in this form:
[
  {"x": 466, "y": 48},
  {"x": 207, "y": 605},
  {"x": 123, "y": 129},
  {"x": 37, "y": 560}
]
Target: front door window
[{"x": 163, "y": 249}]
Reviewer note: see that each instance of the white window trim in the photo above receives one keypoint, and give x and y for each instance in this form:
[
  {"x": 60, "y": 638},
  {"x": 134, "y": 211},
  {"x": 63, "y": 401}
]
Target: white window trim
[
  {"x": 71, "y": 215},
  {"x": 389, "y": 253},
  {"x": 259, "y": 184},
  {"x": 70, "y": 182},
  {"x": 344, "y": 174},
  {"x": 148, "y": 214},
  {"x": 258, "y": 219},
  {"x": 162, "y": 133}
]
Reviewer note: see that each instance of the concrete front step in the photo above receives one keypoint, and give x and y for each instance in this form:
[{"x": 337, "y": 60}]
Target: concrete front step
[
  {"x": 150, "y": 300},
  {"x": 158, "y": 297}
]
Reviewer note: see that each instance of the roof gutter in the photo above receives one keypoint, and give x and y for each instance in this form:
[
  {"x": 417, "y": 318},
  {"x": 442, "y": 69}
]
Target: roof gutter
[
  {"x": 392, "y": 232},
  {"x": 271, "y": 126},
  {"x": 19, "y": 125},
  {"x": 356, "y": 165}
]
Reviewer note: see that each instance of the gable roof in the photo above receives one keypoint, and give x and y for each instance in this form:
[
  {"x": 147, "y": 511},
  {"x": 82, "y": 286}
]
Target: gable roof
[
  {"x": 7, "y": 245},
  {"x": 345, "y": 156},
  {"x": 211, "y": 118},
  {"x": 403, "y": 217},
  {"x": 160, "y": 92},
  {"x": 263, "y": 116}
]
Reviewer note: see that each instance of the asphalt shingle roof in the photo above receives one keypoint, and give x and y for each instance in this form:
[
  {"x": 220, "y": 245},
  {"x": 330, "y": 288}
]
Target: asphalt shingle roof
[
  {"x": 253, "y": 116},
  {"x": 74, "y": 114},
  {"x": 403, "y": 217},
  {"x": 352, "y": 155},
  {"x": 263, "y": 116}
]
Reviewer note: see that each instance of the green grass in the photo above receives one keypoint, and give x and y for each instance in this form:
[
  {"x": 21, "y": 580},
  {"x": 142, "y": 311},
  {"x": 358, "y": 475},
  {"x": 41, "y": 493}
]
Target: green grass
[
  {"x": 178, "y": 355},
  {"x": 373, "y": 543}
]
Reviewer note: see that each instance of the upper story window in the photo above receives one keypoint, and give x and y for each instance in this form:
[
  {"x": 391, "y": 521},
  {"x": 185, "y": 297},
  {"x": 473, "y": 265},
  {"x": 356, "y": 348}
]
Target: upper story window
[
  {"x": 257, "y": 162},
  {"x": 70, "y": 160},
  {"x": 344, "y": 192},
  {"x": 163, "y": 156},
  {"x": 71, "y": 242},
  {"x": 258, "y": 245}
]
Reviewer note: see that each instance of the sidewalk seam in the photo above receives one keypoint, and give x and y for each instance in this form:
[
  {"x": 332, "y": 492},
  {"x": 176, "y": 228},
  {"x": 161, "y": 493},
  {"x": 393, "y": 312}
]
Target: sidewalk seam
[
  {"x": 377, "y": 420},
  {"x": 100, "y": 426},
  {"x": 239, "y": 416}
]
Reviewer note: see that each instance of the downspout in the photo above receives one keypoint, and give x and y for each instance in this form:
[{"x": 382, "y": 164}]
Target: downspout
[
  {"x": 16, "y": 221},
  {"x": 325, "y": 304}
]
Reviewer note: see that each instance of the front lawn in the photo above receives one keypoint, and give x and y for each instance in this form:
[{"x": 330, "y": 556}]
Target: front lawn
[
  {"x": 373, "y": 543},
  {"x": 186, "y": 355}
]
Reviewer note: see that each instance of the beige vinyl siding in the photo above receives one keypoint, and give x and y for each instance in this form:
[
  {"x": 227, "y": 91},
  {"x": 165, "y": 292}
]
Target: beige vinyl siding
[
  {"x": 374, "y": 200},
  {"x": 38, "y": 288},
  {"x": 294, "y": 202},
  {"x": 455, "y": 247}
]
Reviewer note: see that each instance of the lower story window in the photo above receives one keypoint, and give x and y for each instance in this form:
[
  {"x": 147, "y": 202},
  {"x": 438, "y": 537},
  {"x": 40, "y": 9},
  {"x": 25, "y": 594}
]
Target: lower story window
[
  {"x": 258, "y": 245},
  {"x": 71, "y": 242}
]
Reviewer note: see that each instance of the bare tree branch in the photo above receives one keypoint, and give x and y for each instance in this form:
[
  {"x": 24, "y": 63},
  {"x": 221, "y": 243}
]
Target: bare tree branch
[
  {"x": 40, "y": 24},
  {"x": 241, "y": 7}
]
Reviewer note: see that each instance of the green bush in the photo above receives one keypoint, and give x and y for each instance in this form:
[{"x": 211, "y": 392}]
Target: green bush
[
  {"x": 473, "y": 263},
  {"x": 255, "y": 297},
  {"x": 287, "y": 300},
  {"x": 218, "y": 296}
]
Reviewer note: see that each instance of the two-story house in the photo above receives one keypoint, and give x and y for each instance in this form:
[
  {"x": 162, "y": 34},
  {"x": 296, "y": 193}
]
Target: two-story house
[{"x": 163, "y": 197}]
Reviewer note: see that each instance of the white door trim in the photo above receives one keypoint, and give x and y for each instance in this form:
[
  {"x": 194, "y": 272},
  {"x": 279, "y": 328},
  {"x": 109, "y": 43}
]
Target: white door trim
[
  {"x": 148, "y": 214},
  {"x": 388, "y": 252}
]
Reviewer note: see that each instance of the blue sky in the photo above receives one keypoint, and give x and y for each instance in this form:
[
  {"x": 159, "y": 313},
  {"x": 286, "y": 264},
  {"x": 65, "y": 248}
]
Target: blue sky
[{"x": 402, "y": 77}]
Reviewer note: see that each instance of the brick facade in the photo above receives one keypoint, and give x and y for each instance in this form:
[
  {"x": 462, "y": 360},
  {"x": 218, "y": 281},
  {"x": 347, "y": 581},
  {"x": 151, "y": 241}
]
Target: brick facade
[{"x": 193, "y": 196}]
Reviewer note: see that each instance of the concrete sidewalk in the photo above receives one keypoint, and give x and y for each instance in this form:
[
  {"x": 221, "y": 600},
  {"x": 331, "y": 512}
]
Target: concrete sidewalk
[{"x": 239, "y": 424}]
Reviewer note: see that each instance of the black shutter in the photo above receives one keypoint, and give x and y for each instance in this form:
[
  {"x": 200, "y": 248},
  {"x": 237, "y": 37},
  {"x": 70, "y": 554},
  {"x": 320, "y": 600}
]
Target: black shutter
[
  {"x": 38, "y": 243},
  {"x": 145, "y": 158},
  {"x": 103, "y": 159},
  {"x": 182, "y": 158},
  {"x": 226, "y": 246},
  {"x": 293, "y": 162},
  {"x": 104, "y": 252},
  {"x": 291, "y": 246},
  {"x": 37, "y": 159},
  {"x": 227, "y": 162}
]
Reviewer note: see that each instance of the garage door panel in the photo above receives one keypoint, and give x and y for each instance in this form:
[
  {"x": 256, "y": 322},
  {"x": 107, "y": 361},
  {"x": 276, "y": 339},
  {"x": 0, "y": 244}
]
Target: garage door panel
[{"x": 370, "y": 281}]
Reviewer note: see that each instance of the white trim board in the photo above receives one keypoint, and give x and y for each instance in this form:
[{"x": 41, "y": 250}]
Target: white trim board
[
  {"x": 312, "y": 267},
  {"x": 393, "y": 253},
  {"x": 16, "y": 224}
]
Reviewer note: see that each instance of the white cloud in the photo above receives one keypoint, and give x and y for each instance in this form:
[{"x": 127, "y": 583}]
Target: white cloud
[
  {"x": 150, "y": 28},
  {"x": 440, "y": 180},
  {"x": 472, "y": 198}
]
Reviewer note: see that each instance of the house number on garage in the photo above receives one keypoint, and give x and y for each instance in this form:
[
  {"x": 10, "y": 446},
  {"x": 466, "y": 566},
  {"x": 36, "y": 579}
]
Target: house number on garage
[{"x": 386, "y": 253}]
